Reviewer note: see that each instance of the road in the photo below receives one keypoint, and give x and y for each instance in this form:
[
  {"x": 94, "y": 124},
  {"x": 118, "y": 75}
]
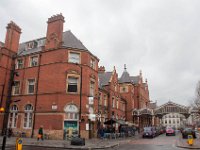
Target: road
[{"x": 161, "y": 142}]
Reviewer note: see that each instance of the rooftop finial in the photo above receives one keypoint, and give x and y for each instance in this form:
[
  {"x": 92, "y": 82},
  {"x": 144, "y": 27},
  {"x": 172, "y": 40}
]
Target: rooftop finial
[
  {"x": 140, "y": 72},
  {"x": 125, "y": 67}
]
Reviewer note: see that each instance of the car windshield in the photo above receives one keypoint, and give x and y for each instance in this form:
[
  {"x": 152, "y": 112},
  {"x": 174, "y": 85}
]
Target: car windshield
[
  {"x": 188, "y": 129},
  {"x": 169, "y": 128},
  {"x": 147, "y": 129}
]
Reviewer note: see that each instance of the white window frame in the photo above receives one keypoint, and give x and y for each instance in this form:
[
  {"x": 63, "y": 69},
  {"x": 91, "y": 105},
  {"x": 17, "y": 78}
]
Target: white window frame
[
  {"x": 93, "y": 63},
  {"x": 28, "y": 116},
  {"x": 77, "y": 83},
  {"x": 105, "y": 100},
  {"x": 92, "y": 87},
  {"x": 74, "y": 59},
  {"x": 15, "y": 87},
  {"x": 33, "y": 62},
  {"x": 113, "y": 102},
  {"x": 29, "y": 85},
  {"x": 18, "y": 64},
  {"x": 12, "y": 122}
]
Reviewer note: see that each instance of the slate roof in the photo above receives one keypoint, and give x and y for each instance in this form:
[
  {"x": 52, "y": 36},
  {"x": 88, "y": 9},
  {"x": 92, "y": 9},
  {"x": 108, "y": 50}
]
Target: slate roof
[
  {"x": 135, "y": 79},
  {"x": 125, "y": 78},
  {"x": 104, "y": 78},
  {"x": 69, "y": 41}
]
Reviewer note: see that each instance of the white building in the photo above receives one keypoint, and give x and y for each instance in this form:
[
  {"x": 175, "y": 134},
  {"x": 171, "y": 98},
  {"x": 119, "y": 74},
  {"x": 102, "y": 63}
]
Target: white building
[{"x": 173, "y": 120}]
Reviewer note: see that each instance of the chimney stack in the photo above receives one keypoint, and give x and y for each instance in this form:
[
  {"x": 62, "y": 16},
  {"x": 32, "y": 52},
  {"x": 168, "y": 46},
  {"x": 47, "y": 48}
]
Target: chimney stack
[
  {"x": 12, "y": 37},
  {"x": 101, "y": 69},
  {"x": 54, "y": 31}
]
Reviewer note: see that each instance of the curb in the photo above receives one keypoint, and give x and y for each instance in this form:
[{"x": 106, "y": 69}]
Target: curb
[
  {"x": 188, "y": 147},
  {"x": 77, "y": 148}
]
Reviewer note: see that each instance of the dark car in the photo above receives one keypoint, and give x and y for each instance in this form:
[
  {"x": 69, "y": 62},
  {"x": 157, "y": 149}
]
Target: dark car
[
  {"x": 162, "y": 130},
  {"x": 188, "y": 131},
  {"x": 149, "y": 132},
  {"x": 170, "y": 131}
]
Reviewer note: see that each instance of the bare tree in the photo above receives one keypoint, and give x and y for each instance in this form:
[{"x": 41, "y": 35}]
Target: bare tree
[{"x": 197, "y": 97}]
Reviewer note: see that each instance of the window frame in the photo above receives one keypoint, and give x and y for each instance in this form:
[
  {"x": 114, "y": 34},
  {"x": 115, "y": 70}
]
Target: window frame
[
  {"x": 71, "y": 59},
  {"x": 13, "y": 116},
  {"x": 29, "y": 112},
  {"x": 20, "y": 64},
  {"x": 29, "y": 84},
  {"x": 31, "y": 61},
  {"x": 78, "y": 83},
  {"x": 93, "y": 63},
  {"x": 92, "y": 88},
  {"x": 14, "y": 88}
]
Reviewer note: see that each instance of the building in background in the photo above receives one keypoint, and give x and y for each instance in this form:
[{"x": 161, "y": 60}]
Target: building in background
[
  {"x": 111, "y": 103},
  {"x": 174, "y": 120},
  {"x": 172, "y": 114}
]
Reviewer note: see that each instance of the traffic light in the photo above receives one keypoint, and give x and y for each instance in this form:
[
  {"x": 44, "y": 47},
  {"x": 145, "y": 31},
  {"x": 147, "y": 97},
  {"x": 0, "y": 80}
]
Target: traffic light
[{"x": 2, "y": 110}]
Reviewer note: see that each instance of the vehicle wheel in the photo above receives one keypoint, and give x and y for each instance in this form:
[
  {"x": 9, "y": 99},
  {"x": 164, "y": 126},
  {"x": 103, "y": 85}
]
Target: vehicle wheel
[{"x": 166, "y": 134}]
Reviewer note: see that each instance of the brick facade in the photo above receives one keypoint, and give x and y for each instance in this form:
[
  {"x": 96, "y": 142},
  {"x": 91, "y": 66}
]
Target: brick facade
[
  {"x": 51, "y": 75},
  {"x": 55, "y": 73}
]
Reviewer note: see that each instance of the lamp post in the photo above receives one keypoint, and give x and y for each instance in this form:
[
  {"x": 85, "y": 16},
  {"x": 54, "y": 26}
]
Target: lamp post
[
  {"x": 80, "y": 100},
  {"x": 2, "y": 94},
  {"x": 8, "y": 101}
]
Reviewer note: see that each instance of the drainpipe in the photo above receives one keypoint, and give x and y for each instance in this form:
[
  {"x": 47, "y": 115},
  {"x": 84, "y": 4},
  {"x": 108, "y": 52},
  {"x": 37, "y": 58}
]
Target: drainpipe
[{"x": 36, "y": 95}]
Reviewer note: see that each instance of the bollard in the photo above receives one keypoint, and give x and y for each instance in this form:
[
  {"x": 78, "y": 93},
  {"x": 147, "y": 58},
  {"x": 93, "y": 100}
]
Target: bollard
[
  {"x": 18, "y": 144},
  {"x": 190, "y": 140}
]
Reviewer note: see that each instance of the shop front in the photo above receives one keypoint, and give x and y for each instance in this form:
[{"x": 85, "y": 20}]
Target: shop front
[{"x": 71, "y": 121}]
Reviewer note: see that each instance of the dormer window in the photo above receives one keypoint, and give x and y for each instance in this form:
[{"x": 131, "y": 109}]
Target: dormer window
[{"x": 30, "y": 45}]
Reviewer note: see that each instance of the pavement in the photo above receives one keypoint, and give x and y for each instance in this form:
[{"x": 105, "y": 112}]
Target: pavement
[
  {"x": 65, "y": 144},
  {"x": 182, "y": 143}
]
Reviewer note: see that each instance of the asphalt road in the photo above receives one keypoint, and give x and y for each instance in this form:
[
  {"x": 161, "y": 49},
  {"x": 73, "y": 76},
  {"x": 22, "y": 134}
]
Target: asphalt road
[{"x": 161, "y": 142}]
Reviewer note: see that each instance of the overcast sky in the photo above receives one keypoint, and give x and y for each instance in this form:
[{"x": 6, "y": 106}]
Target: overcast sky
[{"x": 159, "y": 37}]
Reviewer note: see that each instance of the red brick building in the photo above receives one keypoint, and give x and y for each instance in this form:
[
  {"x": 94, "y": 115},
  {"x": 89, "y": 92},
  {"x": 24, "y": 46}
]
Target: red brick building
[
  {"x": 50, "y": 70},
  {"x": 111, "y": 104},
  {"x": 55, "y": 82},
  {"x": 136, "y": 93}
]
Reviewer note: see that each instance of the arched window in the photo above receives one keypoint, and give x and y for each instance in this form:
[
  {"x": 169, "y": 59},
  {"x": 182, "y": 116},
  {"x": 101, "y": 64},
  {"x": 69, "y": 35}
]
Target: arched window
[
  {"x": 71, "y": 112},
  {"x": 13, "y": 116},
  {"x": 28, "y": 116}
]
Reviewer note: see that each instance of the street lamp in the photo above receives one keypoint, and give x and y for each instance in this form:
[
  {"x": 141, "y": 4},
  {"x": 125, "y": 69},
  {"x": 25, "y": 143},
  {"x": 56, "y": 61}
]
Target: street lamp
[
  {"x": 8, "y": 101},
  {"x": 2, "y": 94}
]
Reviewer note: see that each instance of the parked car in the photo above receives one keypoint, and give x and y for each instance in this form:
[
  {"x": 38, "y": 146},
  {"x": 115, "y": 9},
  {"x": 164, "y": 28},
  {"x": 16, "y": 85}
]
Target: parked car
[
  {"x": 149, "y": 132},
  {"x": 158, "y": 131},
  {"x": 188, "y": 131},
  {"x": 162, "y": 130},
  {"x": 170, "y": 131}
]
